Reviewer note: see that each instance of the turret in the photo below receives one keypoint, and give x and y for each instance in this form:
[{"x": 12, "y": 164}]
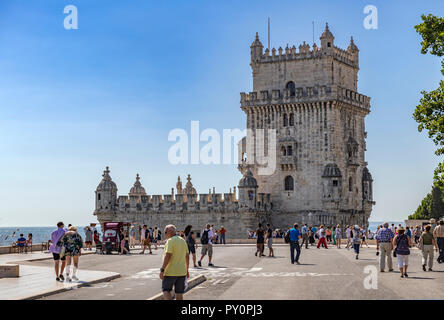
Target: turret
[
  {"x": 256, "y": 49},
  {"x": 353, "y": 49},
  {"x": 106, "y": 193},
  {"x": 327, "y": 39},
  {"x": 248, "y": 191}
]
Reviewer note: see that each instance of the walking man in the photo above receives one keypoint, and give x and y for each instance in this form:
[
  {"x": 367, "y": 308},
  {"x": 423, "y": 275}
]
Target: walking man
[
  {"x": 175, "y": 265},
  {"x": 438, "y": 233},
  {"x": 384, "y": 239},
  {"x": 55, "y": 250},
  {"x": 145, "y": 239},
  {"x": 294, "y": 243},
  {"x": 269, "y": 240},
  {"x": 304, "y": 231},
  {"x": 207, "y": 245}
]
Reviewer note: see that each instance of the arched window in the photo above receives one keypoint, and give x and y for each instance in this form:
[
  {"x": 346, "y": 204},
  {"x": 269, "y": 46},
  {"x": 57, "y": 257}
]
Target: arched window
[
  {"x": 98, "y": 196},
  {"x": 285, "y": 120},
  {"x": 289, "y": 150},
  {"x": 283, "y": 151},
  {"x": 291, "y": 88},
  {"x": 291, "y": 119},
  {"x": 350, "y": 184},
  {"x": 289, "y": 184}
]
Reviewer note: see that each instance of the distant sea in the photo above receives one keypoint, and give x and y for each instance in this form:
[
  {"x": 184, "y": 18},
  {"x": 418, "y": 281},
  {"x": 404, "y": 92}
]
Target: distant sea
[
  {"x": 39, "y": 234},
  {"x": 43, "y": 234}
]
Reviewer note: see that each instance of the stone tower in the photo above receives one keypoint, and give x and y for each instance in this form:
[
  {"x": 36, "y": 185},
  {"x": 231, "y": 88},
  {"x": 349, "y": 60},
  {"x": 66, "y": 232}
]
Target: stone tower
[
  {"x": 310, "y": 99},
  {"x": 106, "y": 193}
]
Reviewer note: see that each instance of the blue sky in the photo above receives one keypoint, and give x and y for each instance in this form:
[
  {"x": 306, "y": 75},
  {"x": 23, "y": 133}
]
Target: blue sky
[{"x": 72, "y": 102}]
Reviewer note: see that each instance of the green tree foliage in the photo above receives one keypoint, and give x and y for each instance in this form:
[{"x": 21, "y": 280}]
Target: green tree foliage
[
  {"x": 429, "y": 115},
  {"x": 430, "y": 112},
  {"x": 423, "y": 211}
]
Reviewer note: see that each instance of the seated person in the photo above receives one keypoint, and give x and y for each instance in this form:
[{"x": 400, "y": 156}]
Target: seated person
[{"x": 21, "y": 242}]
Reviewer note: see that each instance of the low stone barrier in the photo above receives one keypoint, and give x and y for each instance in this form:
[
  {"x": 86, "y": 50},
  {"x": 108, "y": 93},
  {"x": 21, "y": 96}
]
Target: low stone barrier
[
  {"x": 9, "y": 270},
  {"x": 10, "y": 249}
]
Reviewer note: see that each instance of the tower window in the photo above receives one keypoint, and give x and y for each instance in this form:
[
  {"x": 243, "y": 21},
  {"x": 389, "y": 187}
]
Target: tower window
[
  {"x": 285, "y": 120},
  {"x": 289, "y": 183},
  {"x": 335, "y": 183},
  {"x": 98, "y": 196},
  {"x": 291, "y": 88},
  {"x": 289, "y": 150},
  {"x": 350, "y": 184},
  {"x": 283, "y": 151},
  {"x": 291, "y": 119},
  {"x": 329, "y": 44}
]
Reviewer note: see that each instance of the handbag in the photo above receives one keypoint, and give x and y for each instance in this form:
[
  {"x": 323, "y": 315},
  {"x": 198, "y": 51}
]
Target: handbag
[{"x": 62, "y": 251}]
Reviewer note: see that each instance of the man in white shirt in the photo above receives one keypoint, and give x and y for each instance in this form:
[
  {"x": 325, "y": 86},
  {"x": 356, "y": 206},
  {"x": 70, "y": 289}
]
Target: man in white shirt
[{"x": 206, "y": 240}]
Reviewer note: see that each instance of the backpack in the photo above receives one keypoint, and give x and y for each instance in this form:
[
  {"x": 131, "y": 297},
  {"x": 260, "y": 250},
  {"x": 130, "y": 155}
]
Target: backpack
[
  {"x": 287, "y": 237},
  {"x": 204, "y": 239}
]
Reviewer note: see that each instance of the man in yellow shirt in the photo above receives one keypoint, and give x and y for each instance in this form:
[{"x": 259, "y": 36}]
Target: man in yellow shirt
[{"x": 174, "y": 270}]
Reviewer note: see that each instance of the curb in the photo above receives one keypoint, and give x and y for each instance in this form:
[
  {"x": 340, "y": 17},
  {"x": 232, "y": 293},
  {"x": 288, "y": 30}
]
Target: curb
[
  {"x": 191, "y": 284},
  {"x": 78, "y": 285},
  {"x": 46, "y": 258}
]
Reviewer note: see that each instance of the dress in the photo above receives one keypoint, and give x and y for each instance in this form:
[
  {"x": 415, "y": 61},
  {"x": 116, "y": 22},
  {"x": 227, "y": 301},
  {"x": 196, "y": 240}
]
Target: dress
[{"x": 72, "y": 242}]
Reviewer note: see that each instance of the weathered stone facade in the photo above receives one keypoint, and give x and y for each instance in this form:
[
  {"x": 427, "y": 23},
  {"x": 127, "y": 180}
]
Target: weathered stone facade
[{"x": 310, "y": 99}]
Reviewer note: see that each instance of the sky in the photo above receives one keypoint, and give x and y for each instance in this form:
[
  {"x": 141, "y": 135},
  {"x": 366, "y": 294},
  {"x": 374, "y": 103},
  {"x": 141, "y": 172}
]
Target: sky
[{"x": 107, "y": 94}]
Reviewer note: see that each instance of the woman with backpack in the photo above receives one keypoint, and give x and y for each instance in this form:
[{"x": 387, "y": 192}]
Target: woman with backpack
[{"x": 402, "y": 243}]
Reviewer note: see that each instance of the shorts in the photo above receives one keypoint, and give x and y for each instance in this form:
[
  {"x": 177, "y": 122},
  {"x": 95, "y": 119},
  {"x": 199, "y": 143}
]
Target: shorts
[
  {"x": 56, "y": 257},
  {"x": 146, "y": 242},
  {"x": 192, "y": 249},
  {"x": 178, "y": 282},
  {"x": 270, "y": 243},
  {"x": 207, "y": 248},
  {"x": 88, "y": 242},
  {"x": 403, "y": 260}
]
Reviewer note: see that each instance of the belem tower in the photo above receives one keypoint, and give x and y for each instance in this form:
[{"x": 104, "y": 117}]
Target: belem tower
[{"x": 309, "y": 97}]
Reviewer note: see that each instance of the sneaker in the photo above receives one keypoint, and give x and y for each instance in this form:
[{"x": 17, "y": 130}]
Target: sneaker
[
  {"x": 357, "y": 257},
  {"x": 402, "y": 275},
  {"x": 75, "y": 278},
  {"x": 390, "y": 270},
  {"x": 255, "y": 253},
  {"x": 62, "y": 277},
  {"x": 68, "y": 279},
  {"x": 406, "y": 275},
  {"x": 430, "y": 269},
  {"x": 423, "y": 267},
  {"x": 298, "y": 262},
  {"x": 199, "y": 263},
  {"x": 57, "y": 279},
  {"x": 211, "y": 265}
]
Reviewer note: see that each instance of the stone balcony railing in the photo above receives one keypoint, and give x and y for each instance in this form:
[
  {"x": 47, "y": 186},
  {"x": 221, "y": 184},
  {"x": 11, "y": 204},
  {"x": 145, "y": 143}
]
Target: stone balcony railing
[{"x": 303, "y": 95}]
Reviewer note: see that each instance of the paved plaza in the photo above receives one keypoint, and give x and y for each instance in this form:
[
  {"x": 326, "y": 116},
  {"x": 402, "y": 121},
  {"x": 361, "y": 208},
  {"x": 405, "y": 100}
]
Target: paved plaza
[{"x": 238, "y": 274}]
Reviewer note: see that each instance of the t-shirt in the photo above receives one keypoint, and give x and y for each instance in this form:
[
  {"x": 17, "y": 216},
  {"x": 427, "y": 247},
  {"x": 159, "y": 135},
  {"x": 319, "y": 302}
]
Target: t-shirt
[
  {"x": 177, "y": 265},
  {"x": 294, "y": 235},
  {"x": 269, "y": 233},
  {"x": 321, "y": 233},
  {"x": 21, "y": 242},
  {"x": 144, "y": 234},
  {"x": 439, "y": 231},
  {"x": 427, "y": 238},
  {"x": 222, "y": 231}
]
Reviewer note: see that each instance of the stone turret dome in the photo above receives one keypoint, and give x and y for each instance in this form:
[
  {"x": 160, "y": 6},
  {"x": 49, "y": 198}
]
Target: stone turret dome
[
  {"x": 327, "y": 33},
  {"x": 256, "y": 42},
  {"x": 366, "y": 175},
  {"x": 137, "y": 189},
  {"x": 106, "y": 184},
  {"x": 331, "y": 170},
  {"x": 352, "y": 47},
  {"x": 248, "y": 180}
]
